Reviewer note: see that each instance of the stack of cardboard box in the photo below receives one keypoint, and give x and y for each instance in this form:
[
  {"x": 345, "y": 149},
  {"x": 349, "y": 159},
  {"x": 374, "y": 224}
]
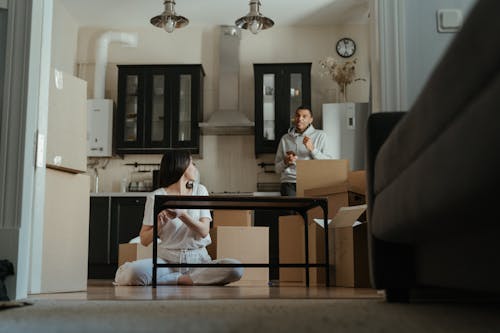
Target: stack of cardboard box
[{"x": 348, "y": 251}]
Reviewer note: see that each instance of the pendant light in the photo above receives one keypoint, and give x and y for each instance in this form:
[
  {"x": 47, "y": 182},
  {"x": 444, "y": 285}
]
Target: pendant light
[
  {"x": 254, "y": 21},
  {"x": 168, "y": 20}
]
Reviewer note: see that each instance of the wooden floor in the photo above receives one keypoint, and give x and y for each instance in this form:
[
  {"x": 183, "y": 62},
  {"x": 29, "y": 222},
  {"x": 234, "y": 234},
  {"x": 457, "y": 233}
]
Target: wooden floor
[{"x": 104, "y": 290}]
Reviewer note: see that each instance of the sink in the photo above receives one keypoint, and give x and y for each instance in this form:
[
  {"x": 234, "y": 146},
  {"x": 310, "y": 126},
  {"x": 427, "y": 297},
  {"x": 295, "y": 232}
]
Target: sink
[
  {"x": 248, "y": 194},
  {"x": 266, "y": 194}
]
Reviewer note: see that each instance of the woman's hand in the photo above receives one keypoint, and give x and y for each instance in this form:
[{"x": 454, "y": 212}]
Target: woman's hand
[
  {"x": 163, "y": 218},
  {"x": 173, "y": 213}
]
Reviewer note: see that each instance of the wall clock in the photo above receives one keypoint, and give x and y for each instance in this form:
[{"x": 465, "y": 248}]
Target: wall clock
[{"x": 346, "y": 47}]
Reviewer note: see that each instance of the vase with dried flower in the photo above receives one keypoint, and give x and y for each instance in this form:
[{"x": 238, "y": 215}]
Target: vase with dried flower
[{"x": 343, "y": 73}]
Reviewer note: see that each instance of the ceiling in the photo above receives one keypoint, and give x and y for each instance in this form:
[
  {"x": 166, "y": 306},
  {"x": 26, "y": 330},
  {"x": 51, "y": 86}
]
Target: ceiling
[{"x": 136, "y": 13}]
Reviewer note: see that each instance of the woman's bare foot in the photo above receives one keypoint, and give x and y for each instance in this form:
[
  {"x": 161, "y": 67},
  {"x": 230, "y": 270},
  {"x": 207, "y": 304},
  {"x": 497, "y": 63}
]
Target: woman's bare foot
[{"x": 184, "y": 280}]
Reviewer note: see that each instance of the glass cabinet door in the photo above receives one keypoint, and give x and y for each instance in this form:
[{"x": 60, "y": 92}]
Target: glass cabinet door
[
  {"x": 279, "y": 90},
  {"x": 269, "y": 107},
  {"x": 295, "y": 95},
  {"x": 157, "y": 120},
  {"x": 185, "y": 108},
  {"x": 131, "y": 107},
  {"x": 159, "y": 107}
]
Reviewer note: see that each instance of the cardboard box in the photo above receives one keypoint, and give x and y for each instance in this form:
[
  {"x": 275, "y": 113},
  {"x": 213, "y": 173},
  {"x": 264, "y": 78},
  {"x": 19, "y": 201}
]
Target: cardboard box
[
  {"x": 357, "y": 181},
  {"x": 246, "y": 244},
  {"x": 133, "y": 251},
  {"x": 350, "y": 248},
  {"x": 234, "y": 218},
  {"x": 313, "y": 174},
  {"x": 357, "y": 190}
]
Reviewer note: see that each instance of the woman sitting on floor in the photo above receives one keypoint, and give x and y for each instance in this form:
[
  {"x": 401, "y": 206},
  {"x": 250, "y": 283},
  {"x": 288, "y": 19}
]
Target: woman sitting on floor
[{"x": 183, "y": 233}]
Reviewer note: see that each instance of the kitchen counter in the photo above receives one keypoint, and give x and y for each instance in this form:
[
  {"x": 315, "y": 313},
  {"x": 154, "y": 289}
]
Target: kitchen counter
[
  {"x": 143, "y": 194},
  {"x": 119, "y": 194}
]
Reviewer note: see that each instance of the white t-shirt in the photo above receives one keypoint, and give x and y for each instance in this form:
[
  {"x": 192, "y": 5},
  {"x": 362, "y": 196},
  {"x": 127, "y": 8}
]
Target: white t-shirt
[{"x": 176, "y": 235}]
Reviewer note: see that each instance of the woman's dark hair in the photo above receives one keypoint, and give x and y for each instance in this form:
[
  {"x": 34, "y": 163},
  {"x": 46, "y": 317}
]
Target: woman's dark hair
[
  {"x": 172, "y": 167},
  {"x": 304, "y": 107}
]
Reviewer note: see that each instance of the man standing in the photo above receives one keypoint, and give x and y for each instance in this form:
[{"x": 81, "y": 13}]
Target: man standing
[{"x": 302, "y": 142}]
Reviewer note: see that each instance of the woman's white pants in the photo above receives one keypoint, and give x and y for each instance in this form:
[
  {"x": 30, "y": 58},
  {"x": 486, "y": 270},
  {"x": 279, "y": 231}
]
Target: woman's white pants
[{"x": 140, "y": 273}]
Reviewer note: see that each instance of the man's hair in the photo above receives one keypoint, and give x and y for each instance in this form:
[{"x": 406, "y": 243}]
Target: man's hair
[
  {"x": 304, "y": 107},
  {"x": 172, "y": 166}
]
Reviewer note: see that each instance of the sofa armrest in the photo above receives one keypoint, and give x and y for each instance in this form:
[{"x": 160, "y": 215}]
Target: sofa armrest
[
  {"x": 390, "y": 264},
  {"x": 378, "y": 129}
]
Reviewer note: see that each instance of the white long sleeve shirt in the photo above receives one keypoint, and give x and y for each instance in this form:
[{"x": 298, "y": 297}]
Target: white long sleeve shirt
[{"x": 293, "y": 141}]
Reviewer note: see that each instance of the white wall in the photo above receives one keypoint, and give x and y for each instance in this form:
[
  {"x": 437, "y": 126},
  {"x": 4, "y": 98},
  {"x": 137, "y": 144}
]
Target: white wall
[
  {"x": 423, "y": 43},
  {"x": 228, "y": 163},
  {"x": 406, "y": 47},
  {"x": 64, "y": 39}
]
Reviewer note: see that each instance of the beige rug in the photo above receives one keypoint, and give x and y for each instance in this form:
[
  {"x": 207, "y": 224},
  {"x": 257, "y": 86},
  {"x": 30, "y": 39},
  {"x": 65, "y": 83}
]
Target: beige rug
[{"x": 274, "y": 315}]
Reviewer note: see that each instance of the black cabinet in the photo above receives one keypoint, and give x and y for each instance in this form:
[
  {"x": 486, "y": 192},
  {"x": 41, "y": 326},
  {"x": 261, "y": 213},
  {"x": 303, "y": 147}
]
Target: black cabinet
[
  {"x": 159, "y": 108},
  {"x": 113, "y": 220},
  {"x": 99, "y": 231},
  {"x": 279, "y": 90},
  {"x": 126, "y": 221}
]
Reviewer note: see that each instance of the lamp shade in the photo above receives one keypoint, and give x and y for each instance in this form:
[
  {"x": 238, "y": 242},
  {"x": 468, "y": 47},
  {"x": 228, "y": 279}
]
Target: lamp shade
[{"x": 254, "y": 20}]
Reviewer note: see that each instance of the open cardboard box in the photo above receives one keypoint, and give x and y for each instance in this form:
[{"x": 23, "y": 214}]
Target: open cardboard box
[
  {"x": 350, "y": 248},
  {"x": 291, "y": 235},
  {"x": 347, "y": 242}
]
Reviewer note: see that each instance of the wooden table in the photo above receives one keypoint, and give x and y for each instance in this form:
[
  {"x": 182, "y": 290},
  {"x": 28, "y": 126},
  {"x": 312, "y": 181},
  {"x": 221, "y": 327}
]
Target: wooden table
[{"x": 300, "y": 205}]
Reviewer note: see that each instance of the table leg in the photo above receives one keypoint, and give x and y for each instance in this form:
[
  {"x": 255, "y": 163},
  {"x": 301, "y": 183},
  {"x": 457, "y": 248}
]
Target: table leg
[
  {"x": 327, "y": 252},
  {"x": 155, "y": 250},
  {"x": 306, "y": 233}
]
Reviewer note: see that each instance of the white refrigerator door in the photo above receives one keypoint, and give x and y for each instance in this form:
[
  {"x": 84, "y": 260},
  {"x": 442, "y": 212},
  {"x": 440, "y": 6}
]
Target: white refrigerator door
[
  {"x": 345, "y": 126},
  {"x": 67, "y": 123},
  {"x": 64, "y": 258}
]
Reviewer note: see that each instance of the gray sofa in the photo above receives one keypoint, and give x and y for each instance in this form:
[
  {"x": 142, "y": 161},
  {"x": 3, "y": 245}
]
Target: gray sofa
[{"x": 434, "y": 174}]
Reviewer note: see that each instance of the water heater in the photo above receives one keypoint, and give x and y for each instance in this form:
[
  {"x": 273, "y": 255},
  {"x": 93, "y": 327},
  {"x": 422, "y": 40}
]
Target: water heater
[{"x": 99, "y": 127}]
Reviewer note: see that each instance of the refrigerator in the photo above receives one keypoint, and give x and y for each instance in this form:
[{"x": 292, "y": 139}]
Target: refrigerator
[
  {"x": 345, "y": 128},
  {"x": 66, "y": 212}
]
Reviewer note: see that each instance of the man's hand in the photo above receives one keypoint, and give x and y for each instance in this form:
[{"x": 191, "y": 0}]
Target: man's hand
[
  {"x": 308, "y": 143},
  {"x": 290, "y": 158}
]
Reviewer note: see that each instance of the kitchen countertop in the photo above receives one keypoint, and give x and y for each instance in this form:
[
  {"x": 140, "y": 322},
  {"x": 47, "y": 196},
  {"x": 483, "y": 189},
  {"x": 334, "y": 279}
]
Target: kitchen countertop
[
  {"x": 143, "y": 194},
  {"x": 119, "y": 194}
]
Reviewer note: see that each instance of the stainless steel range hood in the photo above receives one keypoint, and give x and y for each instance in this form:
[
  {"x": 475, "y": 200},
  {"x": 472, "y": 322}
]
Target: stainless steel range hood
[{"x": 228, "y": 120}]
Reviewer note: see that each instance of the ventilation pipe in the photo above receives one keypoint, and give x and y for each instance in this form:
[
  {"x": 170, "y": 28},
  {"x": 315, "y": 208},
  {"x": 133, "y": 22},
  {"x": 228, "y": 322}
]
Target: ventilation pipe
[{"x": 101, "y": 56}]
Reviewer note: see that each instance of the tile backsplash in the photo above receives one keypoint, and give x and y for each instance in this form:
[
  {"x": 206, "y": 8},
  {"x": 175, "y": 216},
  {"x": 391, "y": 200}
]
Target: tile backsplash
[{"x": 228, "y": 163}]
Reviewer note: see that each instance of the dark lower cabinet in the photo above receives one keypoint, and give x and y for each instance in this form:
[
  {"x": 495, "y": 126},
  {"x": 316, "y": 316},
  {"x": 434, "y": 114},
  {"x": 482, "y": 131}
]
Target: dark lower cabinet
[
  {"x": 113, "y": 220},
  {"x": 99, "y": 230}
]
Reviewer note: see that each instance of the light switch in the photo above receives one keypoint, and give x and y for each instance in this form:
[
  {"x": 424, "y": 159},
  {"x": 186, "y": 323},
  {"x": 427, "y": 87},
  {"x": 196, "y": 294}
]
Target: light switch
[{"x": 449, "y": 20}]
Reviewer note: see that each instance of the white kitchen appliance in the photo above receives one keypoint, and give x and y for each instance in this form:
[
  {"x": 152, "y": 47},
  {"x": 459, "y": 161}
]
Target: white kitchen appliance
[
  {"x": 99, "y": 127},
  {"x": 99, "y": 109},
  {"x": 61, "y": 256},
  {"x": 345, "y": 127}
]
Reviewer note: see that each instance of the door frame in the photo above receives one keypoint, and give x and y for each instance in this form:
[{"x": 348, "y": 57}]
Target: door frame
[{"x": 22, "y": 139}]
